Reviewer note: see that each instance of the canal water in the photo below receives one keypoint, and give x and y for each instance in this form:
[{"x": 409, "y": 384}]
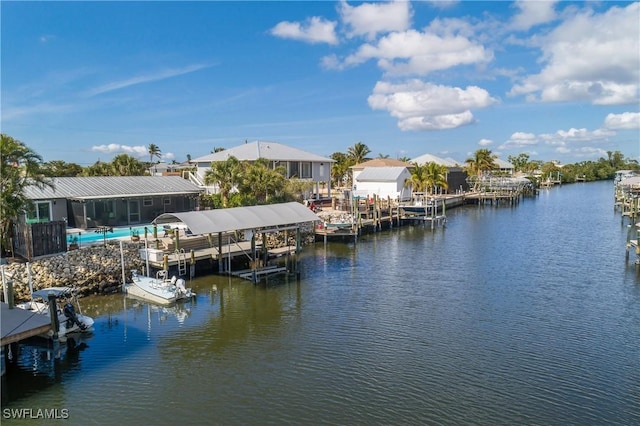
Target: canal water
[{"x": 525, "y": 314}]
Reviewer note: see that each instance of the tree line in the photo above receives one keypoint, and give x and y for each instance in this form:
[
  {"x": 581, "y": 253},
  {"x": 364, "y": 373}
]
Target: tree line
[{"x": 258, "y": 182}]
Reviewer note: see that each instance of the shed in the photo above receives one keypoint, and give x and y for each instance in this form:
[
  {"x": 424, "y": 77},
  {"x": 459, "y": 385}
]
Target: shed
[{"x": 384, "y": 182}]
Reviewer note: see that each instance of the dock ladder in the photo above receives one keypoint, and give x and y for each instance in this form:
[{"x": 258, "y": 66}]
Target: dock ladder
[{"x": 182, "y": 262}]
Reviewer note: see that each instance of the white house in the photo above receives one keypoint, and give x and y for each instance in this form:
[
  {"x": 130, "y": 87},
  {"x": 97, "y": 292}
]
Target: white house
[
  {"x": 430, "y": 158},
  {"x": 384, "y": 182},
  {"x": 297, "y": 163},
  {"x": 504, "y": 166}
]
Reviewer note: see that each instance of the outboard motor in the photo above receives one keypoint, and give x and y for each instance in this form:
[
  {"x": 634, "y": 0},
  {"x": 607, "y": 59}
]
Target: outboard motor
[
  {"x": 72, "y": 318},
  {"x": 180, "y": 286}
]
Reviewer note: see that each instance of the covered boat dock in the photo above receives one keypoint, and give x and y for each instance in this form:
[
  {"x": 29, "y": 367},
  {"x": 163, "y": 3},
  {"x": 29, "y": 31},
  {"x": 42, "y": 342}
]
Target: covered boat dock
[{"x": 239, "y": 226}]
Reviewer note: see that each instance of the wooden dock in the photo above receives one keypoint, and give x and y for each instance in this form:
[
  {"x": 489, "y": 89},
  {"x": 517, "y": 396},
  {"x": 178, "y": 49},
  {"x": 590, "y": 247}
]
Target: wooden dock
[
  {"x": 19, "y": 324},
  {"x": 374, "y": 215}
]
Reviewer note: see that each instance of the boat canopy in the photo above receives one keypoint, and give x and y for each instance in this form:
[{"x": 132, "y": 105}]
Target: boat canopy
[
  {"x": 241, "y": 218},
  {"x": 57, "y": 291}
]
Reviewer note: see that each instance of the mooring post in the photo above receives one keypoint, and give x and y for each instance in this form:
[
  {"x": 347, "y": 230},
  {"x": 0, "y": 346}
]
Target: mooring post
[
  {"x": 53, "y": 314},
  {"x": 10, "y": 300}
]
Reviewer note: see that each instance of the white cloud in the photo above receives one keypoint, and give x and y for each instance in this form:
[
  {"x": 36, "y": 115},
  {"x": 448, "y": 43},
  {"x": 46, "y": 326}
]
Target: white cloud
[
  {"x": 414, "y": 52},
  {"x": 115, "y": 148},
  {"x": 425, "y": 106},
  {"x": 580, "y": 143},
  {"x": 520, "y": 140},
  {"x": 161, "y": 75},
  {"x": 485, "y": 142},
  {"x": 626, "y": 120},
  {"x": 369, "y": 19},
  {"x": 589, "y": 57},
  {"x": 532, "y": 13},
  {"x": 314, "y": 30}
]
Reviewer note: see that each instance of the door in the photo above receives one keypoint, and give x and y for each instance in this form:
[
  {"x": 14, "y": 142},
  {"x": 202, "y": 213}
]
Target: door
[{"x": 134, "y": 211}]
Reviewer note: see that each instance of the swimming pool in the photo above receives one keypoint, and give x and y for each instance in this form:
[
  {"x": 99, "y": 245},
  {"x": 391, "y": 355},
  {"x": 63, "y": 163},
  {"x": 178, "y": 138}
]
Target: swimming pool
[{"x": 91, "y": 236}]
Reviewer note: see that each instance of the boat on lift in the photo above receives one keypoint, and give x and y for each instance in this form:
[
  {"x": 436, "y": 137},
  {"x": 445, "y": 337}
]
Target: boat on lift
[{"x": 160, "y": 289}]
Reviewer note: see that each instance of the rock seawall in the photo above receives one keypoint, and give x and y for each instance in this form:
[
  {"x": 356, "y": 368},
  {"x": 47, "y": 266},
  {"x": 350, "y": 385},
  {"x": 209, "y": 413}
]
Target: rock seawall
[{"x": 91, "y": 270}]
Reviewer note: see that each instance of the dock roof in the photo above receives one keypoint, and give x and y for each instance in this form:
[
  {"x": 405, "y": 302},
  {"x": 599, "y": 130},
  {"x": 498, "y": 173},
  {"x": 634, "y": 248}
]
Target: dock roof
[{"x": 240, "y": 218}]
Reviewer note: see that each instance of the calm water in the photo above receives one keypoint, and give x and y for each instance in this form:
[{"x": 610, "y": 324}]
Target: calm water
[{"x": 509, "y": 315}]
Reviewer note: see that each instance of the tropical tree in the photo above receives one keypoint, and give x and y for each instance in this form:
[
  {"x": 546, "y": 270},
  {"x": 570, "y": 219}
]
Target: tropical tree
[
  {"x": 380, "y": 155},
  {"x": 126, "y": 165},
  {"x": 481, "y": 162},
  {"x": 262, "y": 181},
  {"x": 520, "y": 163},
  {"x": 154, "y": 151},
  {"x": 226, "y": 175},
  {"x": 427, "y": 177},
  {"x": 59, "y": 168},
  {"x": 435, "y": 176},
  {"x": 340, "y": 175},
  {"x": 358, "y": 153},
  {"x": 99, "y": 168},
  {"x": 418, "y": 178},
  {"x": 20, "y": 167}
]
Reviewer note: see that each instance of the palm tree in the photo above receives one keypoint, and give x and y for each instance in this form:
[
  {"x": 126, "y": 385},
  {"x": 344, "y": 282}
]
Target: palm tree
[
  {"x": 20, "y": 167},
  {"x": 435, "y": 176},
  {"x": 261, "y": 181},
  {"x": 98, "y": 168},
  {"x": 226, "y": 175},
  {"x": 481, "y": 162},
  {"x": 153, "y": 151},
  {"x": 340, "y": 170},
  {"x": 418, "y": 178},
  {"x": 358, "y": 153},
  {"x": 126, "y": 165}
]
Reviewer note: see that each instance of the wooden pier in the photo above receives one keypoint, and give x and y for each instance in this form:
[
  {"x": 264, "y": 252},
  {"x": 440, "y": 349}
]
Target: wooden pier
[{"x": 367, "y": 216}]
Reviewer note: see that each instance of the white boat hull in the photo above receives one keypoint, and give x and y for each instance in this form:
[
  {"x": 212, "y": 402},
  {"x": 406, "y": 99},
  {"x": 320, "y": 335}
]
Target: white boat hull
[
  {"x": 66, "y": 324},
  {"x": 157, "y": 290}
]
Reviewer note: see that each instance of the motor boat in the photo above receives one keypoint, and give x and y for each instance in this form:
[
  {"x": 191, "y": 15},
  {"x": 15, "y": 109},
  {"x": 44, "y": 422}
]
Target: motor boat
[
  {"x": 69, "y": 320},
  {"x": 159, "y": 289}
]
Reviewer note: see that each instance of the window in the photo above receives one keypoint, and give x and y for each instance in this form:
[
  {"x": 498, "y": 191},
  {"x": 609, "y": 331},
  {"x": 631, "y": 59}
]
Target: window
[
  {"x": 166, "y": 201},
  {"x": 147, "y": 202},
  {"x": 293, "y": 169},
  {"x": 39, "y": 212},
  {"x": 305, "y": 170}
]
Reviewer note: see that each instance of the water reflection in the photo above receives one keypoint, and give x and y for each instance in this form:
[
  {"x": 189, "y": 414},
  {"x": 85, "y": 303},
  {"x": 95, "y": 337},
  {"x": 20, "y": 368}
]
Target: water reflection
[
  {"x": 36, "y": 363},
  {"x": 524, "y": 315}
]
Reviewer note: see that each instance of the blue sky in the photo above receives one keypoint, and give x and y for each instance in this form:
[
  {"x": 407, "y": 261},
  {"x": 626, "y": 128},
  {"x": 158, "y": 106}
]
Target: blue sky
[{"x": 85, "y": 81}]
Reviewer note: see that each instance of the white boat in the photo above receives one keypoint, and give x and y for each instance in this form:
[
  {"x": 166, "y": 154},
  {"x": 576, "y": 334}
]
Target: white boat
[
  {"x": 69, "y": 321},
  {"x": 159, "y": 289},
  {"x": 419, "y": 205}
]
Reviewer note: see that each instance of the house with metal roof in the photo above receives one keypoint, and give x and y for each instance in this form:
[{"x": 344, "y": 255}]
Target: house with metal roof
[
  {"x": 93, "y": 201},
  {"x": 430, "y": 158},
  {"x": 297, "y": 163},
  {"x": 384, "y": 182},
  {"x": 456, "y": 176},
  {"x": 504, "y": 166}
]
